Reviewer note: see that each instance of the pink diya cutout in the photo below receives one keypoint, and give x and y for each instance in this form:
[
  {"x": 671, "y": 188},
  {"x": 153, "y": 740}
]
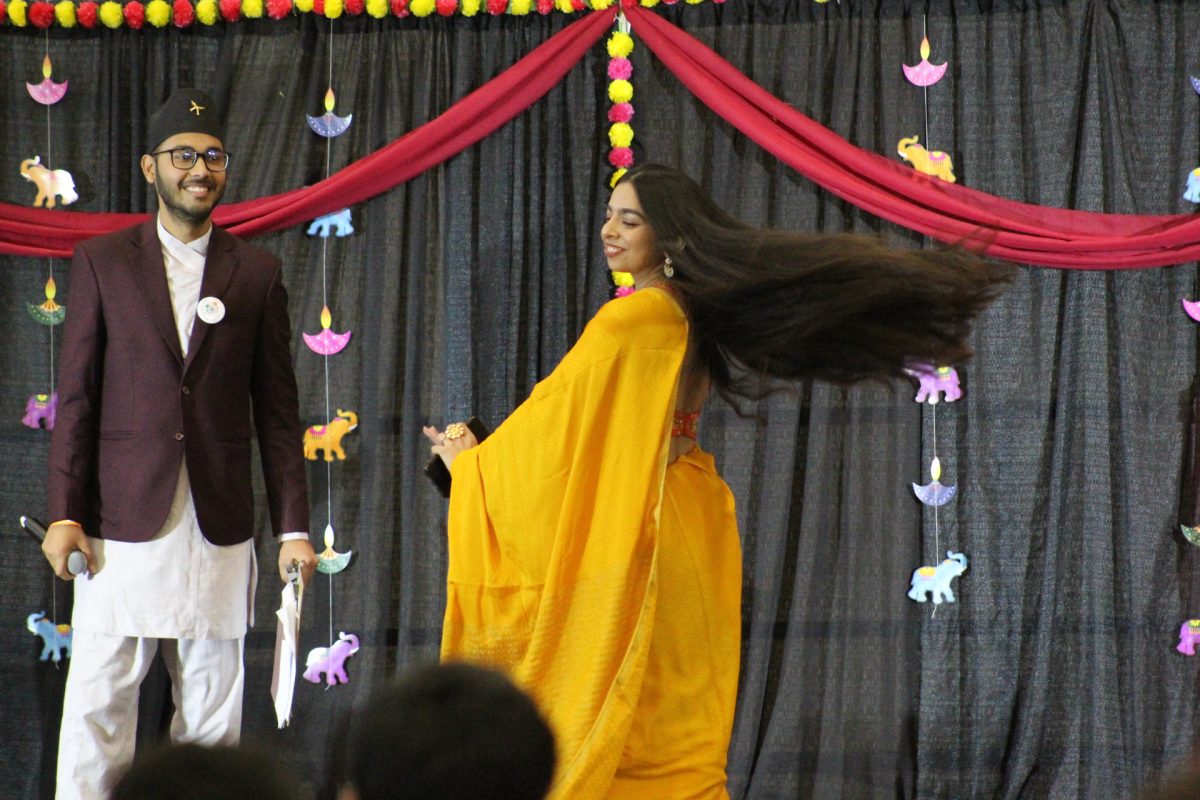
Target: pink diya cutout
[
  {"x": 1192, "y": 307},
  {"x": 49, "y": 312},
  {"x": 329, "y": 124},
  {"x": 924, "y": 73},
  {"x": 47, "y": 92},
  {"x": 327, "y": 342}
]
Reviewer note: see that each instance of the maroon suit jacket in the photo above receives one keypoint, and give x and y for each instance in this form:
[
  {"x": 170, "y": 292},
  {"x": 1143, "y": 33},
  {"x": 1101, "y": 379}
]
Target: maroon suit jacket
[{"x": 130, "y": 407}]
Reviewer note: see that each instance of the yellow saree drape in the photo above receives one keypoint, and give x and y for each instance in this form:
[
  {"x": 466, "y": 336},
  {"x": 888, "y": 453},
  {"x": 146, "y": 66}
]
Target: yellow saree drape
[{"x": 553, "y": 534}]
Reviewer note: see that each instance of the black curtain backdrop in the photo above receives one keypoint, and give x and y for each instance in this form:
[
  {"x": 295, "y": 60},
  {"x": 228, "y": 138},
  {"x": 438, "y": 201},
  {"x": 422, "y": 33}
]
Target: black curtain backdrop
[{"x": 1053, "y": 676}]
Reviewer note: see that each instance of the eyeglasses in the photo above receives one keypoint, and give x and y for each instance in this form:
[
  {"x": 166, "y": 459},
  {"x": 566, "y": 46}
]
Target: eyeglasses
[{"x": 185, "y": 158}]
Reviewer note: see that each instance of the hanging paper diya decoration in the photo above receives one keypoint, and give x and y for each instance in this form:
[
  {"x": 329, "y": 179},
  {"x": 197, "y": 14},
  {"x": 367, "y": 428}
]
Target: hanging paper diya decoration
[
  {"x": 329, "y": 124},
  {"x": 49, "y": 312},
  {"x": 934, "y": 493},
  {"x": 330, "y": 561},
  {"x": 47, "y": 92},
  {"x": 924, "y": 73},
  {"x": 327, "y": 342}
]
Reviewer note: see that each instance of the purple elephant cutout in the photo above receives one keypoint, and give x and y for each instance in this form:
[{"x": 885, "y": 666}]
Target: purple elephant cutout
[
  {"x": 331, "y": 661},
  {"x": 39, "y": 408},
  {"x": 934, "y": 382},
  {"x": 1189, "y": 635}
]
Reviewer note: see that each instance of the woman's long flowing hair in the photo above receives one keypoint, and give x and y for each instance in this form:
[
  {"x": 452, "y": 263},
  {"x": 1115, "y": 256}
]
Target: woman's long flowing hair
[{"x": 766, "y": 304}]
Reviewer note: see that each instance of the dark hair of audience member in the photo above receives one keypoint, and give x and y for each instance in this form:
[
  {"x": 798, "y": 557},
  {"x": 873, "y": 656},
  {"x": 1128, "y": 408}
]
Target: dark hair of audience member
[
  {"x": 449, "y": 732},
  {"x": 195, "y": 772}
]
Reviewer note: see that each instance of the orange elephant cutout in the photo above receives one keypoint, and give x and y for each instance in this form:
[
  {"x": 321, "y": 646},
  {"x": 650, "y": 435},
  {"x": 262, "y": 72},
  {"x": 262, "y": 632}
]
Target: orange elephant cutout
[
  {"x": 328, "y": 437},
  {"x": 935, "y": 163}
]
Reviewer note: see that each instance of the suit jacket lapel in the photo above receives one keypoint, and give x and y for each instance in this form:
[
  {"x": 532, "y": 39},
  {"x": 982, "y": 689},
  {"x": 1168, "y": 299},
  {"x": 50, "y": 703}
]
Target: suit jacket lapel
[
  {"x": 218, "y": 272},
  {"x": 152, "y": 280}
]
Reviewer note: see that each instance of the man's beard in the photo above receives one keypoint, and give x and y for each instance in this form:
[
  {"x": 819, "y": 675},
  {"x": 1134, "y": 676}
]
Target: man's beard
[{"x": 175, "y": 199}]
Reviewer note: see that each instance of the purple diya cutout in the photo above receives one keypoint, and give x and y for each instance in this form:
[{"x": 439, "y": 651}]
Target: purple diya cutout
[
  {"x": 329, "y": 124},
  {"x": 934, "y": 493}
]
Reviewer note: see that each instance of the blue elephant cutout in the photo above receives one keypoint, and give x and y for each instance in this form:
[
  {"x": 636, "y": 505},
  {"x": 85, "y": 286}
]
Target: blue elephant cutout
[
  {"x": 338, "y": 222},
  {"x": 935, "y": 581},
  {"x": 55, "y": 638},
  {"x": 1192, "y": 192}
]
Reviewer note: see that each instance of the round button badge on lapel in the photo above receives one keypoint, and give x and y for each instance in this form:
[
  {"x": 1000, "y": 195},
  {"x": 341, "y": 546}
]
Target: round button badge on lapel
[{"x": 210, "y": 310}]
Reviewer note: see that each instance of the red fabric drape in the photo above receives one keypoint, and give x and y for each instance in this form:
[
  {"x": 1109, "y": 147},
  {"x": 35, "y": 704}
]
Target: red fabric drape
[
  {"x": 39, "y": 232},
  {"x": 896, "y": 192},
  {"x": 880, "y": 185}
]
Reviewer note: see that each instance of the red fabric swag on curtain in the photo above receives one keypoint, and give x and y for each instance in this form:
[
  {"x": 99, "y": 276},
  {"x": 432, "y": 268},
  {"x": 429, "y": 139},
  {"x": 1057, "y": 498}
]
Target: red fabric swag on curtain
[
  {"x": 896, "y": 192},
  {"x": 41, "y": 232}
]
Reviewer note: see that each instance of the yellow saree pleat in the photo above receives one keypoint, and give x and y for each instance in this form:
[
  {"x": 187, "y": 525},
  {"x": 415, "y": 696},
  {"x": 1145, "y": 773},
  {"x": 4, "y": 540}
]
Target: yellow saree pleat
[{"x": 553, "y": 534}]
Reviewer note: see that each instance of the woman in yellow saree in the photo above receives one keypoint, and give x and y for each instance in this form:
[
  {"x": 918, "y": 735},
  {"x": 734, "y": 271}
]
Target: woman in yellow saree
[{"x": 593, "y": 548}]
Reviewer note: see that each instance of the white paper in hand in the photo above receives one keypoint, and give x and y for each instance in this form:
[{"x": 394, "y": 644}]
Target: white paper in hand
[{"x": 287, "y": 644}]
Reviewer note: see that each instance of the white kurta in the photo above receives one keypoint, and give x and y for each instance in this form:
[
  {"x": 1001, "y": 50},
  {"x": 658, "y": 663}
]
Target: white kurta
[{"x": 178, "y": 585}]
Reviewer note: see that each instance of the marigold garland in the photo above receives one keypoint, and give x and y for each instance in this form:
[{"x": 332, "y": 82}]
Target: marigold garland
[
  {"x": 134, "y": 14},
  {"x": 620, "y": 92}
]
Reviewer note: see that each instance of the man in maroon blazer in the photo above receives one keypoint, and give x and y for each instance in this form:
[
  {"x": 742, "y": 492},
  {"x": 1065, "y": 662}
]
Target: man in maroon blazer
[{"x": 176, "y": 339}]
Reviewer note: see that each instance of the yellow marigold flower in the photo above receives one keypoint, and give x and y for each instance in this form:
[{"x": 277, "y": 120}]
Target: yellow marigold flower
[
  {"x": 206, "y": 11},
  {"x": 620, "y": 91},
  {"x": 64, "y": 12},
  {"x": 620, "y": 45},
  {"x": 600, "y": 5},
  {"x": 621, "y": 278},
  {"x": 303, "y": 6},
  {"x": 469, "y": 8},
  {"x": 334, "y": 8},
  {"x": 378, "y": 8},
  {"x": 252, "y": 9},
  {"x": 422, "y": 8},
  {"x": 18, "y": 13},
  {"x": 649, "y": 3},
  {"x": 612, "y": 184},
  {"x": 620, "y": 134},
  {"x": 520, "y": 7},
  {"x": 564, "y": 6},
  {"x": 110, "y": 14}
]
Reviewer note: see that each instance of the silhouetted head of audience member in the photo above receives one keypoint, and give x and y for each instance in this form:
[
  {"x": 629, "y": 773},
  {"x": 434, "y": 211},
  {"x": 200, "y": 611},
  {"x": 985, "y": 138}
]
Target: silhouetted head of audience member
[
  {"x": 449, "y": 732},
  {"x": 195, "y": 772}
]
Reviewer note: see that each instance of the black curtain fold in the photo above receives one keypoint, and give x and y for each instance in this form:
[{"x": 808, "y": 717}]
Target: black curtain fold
[{"x": 1053, "y": 676}]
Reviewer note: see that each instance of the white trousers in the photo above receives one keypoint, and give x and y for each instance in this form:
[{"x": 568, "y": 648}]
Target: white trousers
[{"x": 100, "y": 705}]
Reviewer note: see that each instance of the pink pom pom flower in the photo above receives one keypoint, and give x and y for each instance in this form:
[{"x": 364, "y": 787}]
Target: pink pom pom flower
[
  {"x": 621, "y": 157},
  {"x": 620, "y": 69},
  {"x": 620, "y": 112}
]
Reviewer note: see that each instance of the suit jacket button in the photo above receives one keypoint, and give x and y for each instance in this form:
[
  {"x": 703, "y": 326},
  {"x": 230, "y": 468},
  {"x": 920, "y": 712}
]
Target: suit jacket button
[
  {"x": 187, "y": 390},
  {"x": 179, "y": 437}
]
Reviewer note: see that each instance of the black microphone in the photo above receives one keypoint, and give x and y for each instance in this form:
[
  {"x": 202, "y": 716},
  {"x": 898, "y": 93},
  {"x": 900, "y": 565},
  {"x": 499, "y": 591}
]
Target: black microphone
[{"x": 76, "y": 561}]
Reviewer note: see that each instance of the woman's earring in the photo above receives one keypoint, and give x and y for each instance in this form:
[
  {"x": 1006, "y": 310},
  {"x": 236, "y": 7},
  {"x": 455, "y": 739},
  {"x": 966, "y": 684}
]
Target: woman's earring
[{"x": 668, "y": 270}]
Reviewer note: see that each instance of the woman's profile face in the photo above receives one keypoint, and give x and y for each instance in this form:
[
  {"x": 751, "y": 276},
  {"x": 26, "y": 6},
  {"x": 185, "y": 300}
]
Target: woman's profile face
[{"x": 629, "y": 243}]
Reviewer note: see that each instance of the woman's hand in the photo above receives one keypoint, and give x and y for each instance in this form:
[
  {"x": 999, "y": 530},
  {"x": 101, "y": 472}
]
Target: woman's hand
[{"x": 449, "y": 443}]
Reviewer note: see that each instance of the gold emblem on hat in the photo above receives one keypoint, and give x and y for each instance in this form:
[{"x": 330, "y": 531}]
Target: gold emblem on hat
[{"x": 196, "y": 108}]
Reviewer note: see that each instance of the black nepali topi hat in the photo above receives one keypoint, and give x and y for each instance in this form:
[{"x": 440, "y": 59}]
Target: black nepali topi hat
[{"x": 186, "y": 111}]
